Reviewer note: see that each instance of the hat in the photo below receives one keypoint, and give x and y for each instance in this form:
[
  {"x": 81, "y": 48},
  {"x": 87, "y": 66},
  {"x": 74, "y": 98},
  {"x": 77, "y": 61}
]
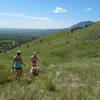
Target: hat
[
  {"x": 34, "y": 53},
  {"x": 18, "y": 52}
]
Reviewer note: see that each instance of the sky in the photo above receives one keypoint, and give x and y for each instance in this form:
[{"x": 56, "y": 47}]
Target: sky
[{"x": 47, "y": 14}]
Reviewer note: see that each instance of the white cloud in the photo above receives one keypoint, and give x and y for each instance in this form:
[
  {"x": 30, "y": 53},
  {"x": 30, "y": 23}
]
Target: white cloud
[
  {"x": 24, "y": 21},
  {"x": 88, "y": 9},
  {"x": 60, "y": 10},
  {"x": 25, "y": 16}
]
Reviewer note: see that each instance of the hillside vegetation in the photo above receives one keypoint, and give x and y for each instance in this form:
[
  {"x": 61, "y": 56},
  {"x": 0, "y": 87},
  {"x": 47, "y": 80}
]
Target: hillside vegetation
[
  {"x": 11, "y": 41},
  {"x": 69, "y": 63}
]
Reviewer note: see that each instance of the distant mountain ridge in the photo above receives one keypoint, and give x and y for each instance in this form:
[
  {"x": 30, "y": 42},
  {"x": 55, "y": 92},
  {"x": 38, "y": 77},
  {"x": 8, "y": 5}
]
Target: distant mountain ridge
[
  {"x": 82, "y": 25},
  {"x": 40, "y": 32}
]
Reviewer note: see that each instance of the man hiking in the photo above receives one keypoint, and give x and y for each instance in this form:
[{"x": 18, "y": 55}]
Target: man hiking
[
  {"x": 17, "y": 63},
  {"x": 34, "y": 70}
]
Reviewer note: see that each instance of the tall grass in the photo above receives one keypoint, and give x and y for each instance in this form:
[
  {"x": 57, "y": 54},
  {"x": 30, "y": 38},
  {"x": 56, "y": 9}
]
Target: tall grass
[{"x": 69, "y": 70}]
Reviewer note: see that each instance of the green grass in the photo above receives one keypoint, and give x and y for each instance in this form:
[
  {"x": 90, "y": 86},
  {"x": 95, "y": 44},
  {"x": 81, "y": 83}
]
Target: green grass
[{"x": 70, "y": 68}]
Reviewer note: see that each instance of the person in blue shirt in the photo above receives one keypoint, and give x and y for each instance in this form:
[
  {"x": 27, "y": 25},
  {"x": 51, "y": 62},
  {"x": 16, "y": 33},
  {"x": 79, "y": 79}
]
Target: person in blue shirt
[{"x": 17, "y": 63}]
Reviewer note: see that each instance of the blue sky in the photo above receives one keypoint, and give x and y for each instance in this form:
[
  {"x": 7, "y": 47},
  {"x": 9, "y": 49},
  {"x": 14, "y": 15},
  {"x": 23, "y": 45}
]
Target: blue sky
[{"x": 43, "y": 14}]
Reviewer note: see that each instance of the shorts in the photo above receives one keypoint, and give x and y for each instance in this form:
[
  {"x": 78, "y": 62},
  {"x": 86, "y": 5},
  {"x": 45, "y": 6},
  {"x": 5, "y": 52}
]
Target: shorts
[
  {"x": 34, "y": 65},
  {"x": 18, "y": 68}
]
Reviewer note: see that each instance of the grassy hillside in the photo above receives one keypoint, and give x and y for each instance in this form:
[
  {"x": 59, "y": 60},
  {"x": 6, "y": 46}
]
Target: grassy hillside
[{"x": 70, "y": 68}]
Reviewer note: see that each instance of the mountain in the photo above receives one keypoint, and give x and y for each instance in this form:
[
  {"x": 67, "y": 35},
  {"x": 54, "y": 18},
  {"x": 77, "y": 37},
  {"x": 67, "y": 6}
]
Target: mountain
[
  {"x": 69, "y": 68},
  {"x": 82, "y": 24},
  {"x": 40, "y": 32}
]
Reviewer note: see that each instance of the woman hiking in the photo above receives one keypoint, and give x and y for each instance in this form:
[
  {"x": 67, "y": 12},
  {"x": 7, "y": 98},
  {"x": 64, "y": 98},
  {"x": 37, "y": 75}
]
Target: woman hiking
[
  {"x": 17, "y": 63},
  {"x": 34, "y": 70}
]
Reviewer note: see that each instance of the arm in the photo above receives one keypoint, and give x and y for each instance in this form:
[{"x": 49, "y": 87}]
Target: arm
[
  {"x": 37, "y": 59},
  {"x": 22, "y": 61},
  {"x": 13, "y": 61}
]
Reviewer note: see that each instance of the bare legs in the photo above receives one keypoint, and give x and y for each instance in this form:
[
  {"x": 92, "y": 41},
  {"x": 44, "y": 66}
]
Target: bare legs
[{"x": 18, "y": 74}]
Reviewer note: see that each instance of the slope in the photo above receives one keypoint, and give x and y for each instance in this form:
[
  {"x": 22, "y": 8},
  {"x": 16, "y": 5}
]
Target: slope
[{"x": 69, "y": 63}]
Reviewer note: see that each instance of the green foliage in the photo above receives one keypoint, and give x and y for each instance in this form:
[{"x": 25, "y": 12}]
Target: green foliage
[
  {"x": 69, "y": 68},
  {"x": 11, "y": 41},
  {"x": 5, "y": 77},
  {"x": 50, "y": 86}
]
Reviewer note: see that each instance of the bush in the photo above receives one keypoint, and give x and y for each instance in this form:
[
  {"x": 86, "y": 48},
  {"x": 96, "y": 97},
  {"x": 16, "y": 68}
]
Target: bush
[{"x": 50, "y": 86}]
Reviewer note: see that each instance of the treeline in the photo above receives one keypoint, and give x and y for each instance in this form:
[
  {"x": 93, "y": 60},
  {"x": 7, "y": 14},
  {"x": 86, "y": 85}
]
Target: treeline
[{"x": 11, "y": 41}]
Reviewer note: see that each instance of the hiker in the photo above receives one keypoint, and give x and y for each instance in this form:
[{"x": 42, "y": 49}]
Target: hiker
[
  {"x": 17, "y": 63},
  {"x": 34, "y": 70}
]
